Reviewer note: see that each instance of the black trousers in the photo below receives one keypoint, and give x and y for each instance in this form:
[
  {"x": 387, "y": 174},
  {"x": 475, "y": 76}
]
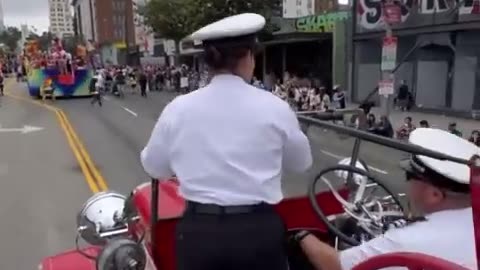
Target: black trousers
[
  {"x": 253, "y": 241},
  {"x": 143, "y": 89}
]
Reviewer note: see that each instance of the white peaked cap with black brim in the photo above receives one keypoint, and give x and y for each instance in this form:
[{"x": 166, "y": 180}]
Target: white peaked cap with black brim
[
  {"x": 237, "y": 26},
  {"x": 446, "y": 143}
]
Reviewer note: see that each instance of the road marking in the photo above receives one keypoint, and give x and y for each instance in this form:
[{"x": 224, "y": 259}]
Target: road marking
[
  {"x": 106, "y": 98},
  {"x": 330, "y": 154},
  {"x": 93, "y": 177},
  {"x": 76, "y": 152},
  {"x": 130, "y": 111},
  {"x": 91, "y": 165},
  {"x": 24, "y": 130}
]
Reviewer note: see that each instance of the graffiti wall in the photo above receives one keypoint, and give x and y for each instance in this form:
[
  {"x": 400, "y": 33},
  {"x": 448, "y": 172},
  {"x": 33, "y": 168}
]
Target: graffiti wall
[{"x": 416, "y": 13}]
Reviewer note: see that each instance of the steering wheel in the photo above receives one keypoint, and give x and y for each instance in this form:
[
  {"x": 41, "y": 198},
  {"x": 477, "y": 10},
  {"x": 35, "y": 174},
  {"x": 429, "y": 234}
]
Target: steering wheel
[{"x": 360, "y": 208}]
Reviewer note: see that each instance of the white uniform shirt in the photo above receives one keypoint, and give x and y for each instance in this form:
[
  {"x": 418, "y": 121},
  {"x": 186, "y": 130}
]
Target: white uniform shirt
[
  {"x": 227, "y": 143},
  {"x": 100, "y": 81},
  {"x": 447, "y": 235}
]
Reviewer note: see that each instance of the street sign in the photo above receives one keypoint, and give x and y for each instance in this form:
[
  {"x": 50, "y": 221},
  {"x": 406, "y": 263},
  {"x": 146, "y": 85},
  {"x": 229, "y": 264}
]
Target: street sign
[
  {"x": 386, "y": 87},
  {"x": 389, "y": 53},
  {"x": 24, "y": 130}
]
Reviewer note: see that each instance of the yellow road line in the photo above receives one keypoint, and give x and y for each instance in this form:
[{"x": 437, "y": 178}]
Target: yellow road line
[
  {"x": 88, "y": 177},
  {"x": 92, "y": 175},
  {"x": 97, "y": 175}
]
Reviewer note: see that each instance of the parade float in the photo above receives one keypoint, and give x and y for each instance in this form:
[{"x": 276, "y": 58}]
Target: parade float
[{"x": 67, "y": 76}]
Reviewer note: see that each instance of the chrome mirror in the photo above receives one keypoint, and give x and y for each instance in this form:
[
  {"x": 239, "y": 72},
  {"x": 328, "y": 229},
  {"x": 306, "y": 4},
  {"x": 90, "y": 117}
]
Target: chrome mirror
[{"x": 101, "y": 218}]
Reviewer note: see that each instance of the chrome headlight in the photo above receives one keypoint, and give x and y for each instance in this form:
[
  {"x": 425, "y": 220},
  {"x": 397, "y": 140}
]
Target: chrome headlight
[{"x": 101, "y": 217}]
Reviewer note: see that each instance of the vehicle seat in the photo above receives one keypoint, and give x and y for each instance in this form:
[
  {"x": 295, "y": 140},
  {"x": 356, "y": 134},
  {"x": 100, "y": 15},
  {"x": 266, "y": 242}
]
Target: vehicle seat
[{"x": 412, "y": 261}]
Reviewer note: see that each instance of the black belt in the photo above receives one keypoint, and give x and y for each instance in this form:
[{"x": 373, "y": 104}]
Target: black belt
[{"x": 213, "y": 209}]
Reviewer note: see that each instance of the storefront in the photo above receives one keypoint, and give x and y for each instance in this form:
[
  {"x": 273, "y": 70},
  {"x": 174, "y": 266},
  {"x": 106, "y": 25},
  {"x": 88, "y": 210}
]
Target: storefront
[
  {"x": 312, "y": 46},
  {"x": 437, "y": 49}
]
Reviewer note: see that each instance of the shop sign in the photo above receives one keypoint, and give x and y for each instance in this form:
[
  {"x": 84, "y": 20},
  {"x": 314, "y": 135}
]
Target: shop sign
[{"x": 324, "y": 23}]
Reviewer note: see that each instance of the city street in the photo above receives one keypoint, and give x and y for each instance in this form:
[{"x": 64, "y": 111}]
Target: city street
[
  {"x": 44, "y": 185},
  {"x": 116, "y": 133}
]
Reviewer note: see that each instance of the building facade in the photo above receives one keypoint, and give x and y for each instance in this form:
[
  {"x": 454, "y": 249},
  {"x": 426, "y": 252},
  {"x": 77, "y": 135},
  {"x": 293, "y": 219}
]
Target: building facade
[
  {"x": 302, "y": 8},
  {"x": 61, "y": 19},
  {"x": 437, "y": 50},
  {"x": 144, "y": 36},
  {"x": 2, "y": 20},
  {"x": 109, "y": 25},
  {"x": 86, "y": 18}
]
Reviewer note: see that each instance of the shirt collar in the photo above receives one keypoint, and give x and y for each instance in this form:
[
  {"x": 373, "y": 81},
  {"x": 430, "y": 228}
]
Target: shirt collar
[{"x": 227, "y": 78}]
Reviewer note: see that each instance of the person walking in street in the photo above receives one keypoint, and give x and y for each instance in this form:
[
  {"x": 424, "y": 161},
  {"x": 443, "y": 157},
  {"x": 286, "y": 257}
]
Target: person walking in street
[
  {"x": 96, "y": 87},
  {"x": 143, "y": 81},
  {"x": 403, "y": 95},
  {"x": 228, "y": 156},
  {"x": 2, "y": 79},
  {"x": 120, "y": 81}
]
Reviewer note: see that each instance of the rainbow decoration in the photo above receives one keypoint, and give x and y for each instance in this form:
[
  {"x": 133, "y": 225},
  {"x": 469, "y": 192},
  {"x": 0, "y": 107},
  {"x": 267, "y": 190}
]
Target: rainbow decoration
[{"x": 64, "y": 85}]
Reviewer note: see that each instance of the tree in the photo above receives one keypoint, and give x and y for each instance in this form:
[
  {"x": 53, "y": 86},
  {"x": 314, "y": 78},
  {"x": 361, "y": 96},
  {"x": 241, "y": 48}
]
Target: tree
[
  {"x": 44, "y": 40},
  {"x": 10, "y": 37},
  {"x": 173, "y": 19},
  {"x": 176, "y": 19}
]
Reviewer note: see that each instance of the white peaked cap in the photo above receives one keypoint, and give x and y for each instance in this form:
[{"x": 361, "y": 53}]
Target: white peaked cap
[
  {"x": 344, "y": 174},
  {"x": 229, "y": 27},
  {"x": 446, "y": 143}
]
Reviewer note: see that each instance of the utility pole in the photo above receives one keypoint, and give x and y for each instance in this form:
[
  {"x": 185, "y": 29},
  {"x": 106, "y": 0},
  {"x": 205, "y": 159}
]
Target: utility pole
[{"x": 386, "y": 87}]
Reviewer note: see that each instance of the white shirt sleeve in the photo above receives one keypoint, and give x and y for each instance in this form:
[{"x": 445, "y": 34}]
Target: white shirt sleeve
[
  {"x": 297, "y": 155},
  {"x": 387, "y": 243},
  {"x": 155, "y": 157}
]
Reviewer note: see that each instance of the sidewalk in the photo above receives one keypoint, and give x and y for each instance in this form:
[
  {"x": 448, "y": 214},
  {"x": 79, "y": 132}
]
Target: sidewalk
[{"x": 466, "y": 126}]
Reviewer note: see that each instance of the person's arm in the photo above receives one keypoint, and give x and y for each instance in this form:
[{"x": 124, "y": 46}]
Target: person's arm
[
  {"x": 297, "y": 155},
  {"x": 155, "y": 157},
  {"x": 320, "y": 255}
]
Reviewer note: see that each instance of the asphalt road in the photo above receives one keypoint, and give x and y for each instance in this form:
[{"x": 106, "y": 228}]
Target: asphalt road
[
  {"x": 116, "y": 133},
  {"x": 41, "y": 185}
]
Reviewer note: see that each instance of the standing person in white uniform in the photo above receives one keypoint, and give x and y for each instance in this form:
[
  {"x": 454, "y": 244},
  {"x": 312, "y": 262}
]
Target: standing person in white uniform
[
  {"x": 438, "y": 188},
  {"x": 228, "y": 144}
]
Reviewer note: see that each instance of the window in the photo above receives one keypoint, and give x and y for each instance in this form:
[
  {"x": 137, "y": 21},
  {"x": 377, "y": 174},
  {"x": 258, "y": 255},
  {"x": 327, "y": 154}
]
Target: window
[{"x": 118, "y": 33}]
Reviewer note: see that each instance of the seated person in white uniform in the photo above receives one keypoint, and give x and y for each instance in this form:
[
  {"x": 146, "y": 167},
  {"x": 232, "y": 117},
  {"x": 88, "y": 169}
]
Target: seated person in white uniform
[
  {"x": 440, "y": 189},
  {"x": 228, "y": 143}
]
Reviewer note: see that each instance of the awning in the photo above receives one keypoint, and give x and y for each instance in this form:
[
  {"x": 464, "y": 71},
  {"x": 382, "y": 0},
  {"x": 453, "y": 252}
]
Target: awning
[
  {"x": 289, "y": 40},
  {"x": 191, "y": 51},
  {"x": 438, "y": 39}
]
